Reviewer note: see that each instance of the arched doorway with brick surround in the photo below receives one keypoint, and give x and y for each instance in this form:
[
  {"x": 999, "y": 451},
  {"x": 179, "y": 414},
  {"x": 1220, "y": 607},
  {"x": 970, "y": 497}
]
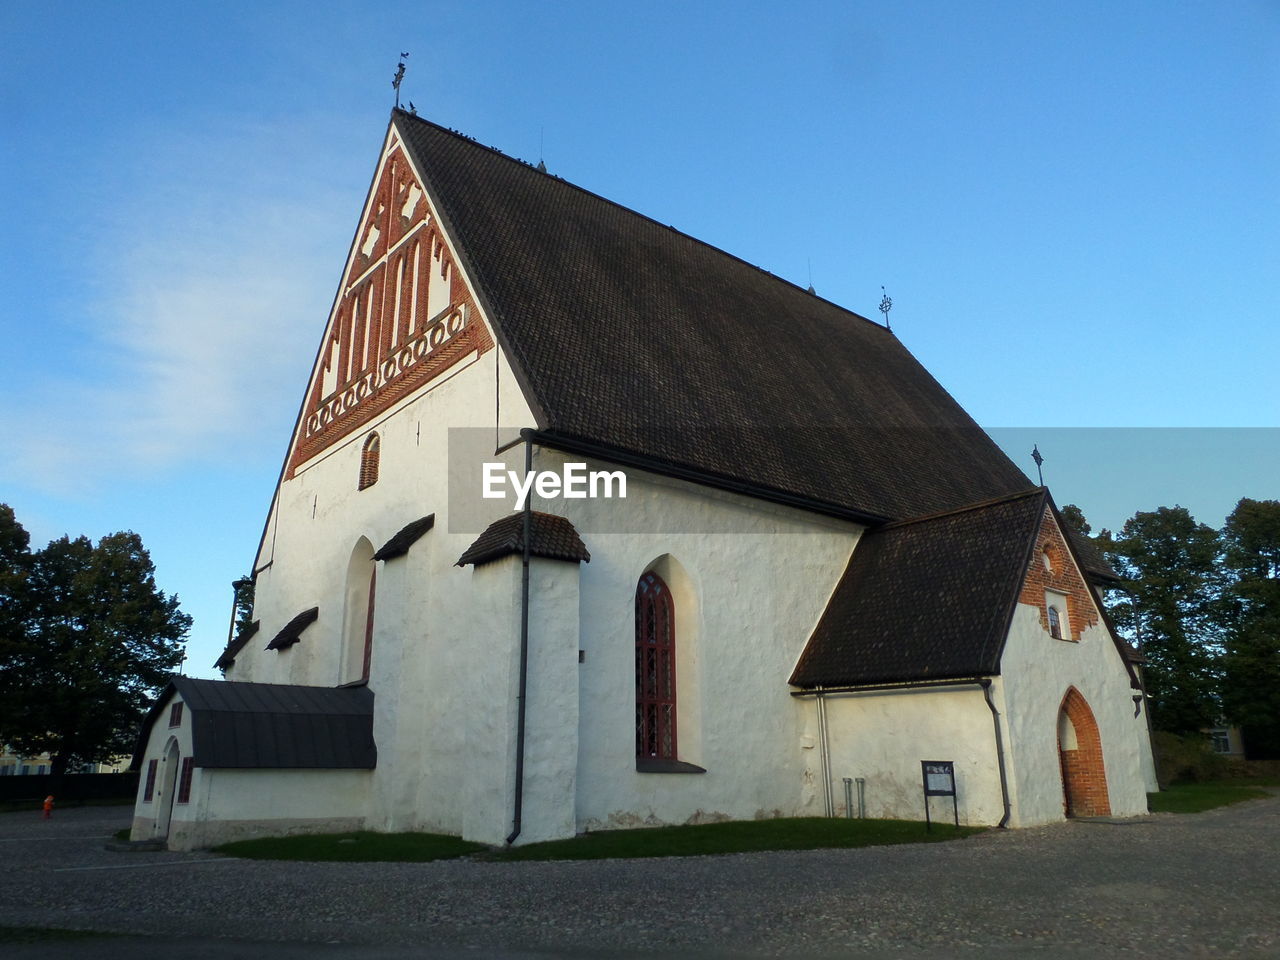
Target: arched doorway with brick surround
[{"x": 1084, "y": 777}]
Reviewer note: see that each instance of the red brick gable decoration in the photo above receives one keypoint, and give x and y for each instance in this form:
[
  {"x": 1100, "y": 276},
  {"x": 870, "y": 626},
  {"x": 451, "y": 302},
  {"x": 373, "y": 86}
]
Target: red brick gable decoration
[
  {"x": 1060, "y": 575},
  {"x": 403, "y": 317}
]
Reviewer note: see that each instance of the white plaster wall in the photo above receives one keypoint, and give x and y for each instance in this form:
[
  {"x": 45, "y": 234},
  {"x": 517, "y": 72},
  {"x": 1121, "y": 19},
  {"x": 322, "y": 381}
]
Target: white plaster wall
[
  {"x": 426, "y": 668},
  {"x": 1037, "y": 671},
  {"x": 236, "y": 804},
  {"x": 551, "y": 732},
  {"x": 320, "y": 516},
  {"x": 486, "y": 772},
  {"x": 240, "y": 804},
  {"x": 763, "y": 575},
  {"x": 144, "y": 826},
  {"x": 883, "y": 737},
  {"x": 444, "y": 662}
]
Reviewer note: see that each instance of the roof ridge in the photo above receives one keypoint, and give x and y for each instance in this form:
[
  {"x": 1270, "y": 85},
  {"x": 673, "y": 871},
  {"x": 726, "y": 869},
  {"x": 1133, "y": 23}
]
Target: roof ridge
[
  {"x": 400, "y": 111},
  {"x": 980, "y": 505}
]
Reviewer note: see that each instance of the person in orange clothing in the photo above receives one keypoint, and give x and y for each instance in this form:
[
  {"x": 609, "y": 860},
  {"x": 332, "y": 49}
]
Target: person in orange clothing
[{"x": 48, "y": 806}]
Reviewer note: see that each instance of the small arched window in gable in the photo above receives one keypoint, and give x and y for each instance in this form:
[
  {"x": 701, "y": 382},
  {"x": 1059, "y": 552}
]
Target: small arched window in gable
[
  {"x": 1055, "y": 623},
  {"x": 369, "y": 462}
]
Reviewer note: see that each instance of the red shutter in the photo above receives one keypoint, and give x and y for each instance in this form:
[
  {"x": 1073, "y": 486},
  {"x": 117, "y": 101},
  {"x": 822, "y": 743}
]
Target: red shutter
[
  {"x": 184, "y": 781},
  {"x": 148, "y": 793},
  {"x": 175, "y": 715}
]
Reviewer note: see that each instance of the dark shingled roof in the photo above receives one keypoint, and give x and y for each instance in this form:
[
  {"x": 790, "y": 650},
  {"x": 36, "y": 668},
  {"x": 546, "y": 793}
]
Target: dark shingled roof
[
  {"x": 1092, "y": 560},
  {"x": 399, "y": 545},
  {"x": 292, "y": 631},
  {"x": 550, "y": 536},
  {"x": 625, "y": 332},
  {"x": 228, "y": 656},
  {"x": 272, "y": 725},
  {"x": 927, "y": 599}
]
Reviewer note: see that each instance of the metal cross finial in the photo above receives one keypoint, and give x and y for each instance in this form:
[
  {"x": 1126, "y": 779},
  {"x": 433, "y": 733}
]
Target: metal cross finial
[
  {"x": 885, "y": 306},
  {"x": 399, "y": 77},
  {"x": 1039, "y": 459}
]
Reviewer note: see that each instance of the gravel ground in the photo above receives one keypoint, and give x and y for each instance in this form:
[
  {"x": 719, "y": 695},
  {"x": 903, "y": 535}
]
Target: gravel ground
[{"x": 1161, "y": 886}]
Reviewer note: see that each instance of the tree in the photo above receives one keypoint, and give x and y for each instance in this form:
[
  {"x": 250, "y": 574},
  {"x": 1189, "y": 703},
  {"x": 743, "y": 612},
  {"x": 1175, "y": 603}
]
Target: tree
[
  {"x": 93, "y": 642},
  {"x": 1073, "y": 517},
  {"x": 1170, "y": 608},
  {"x": 243, "y": 616},
  {"x": 1251, "y": 664},
  {"x": 15, "y": 567}
]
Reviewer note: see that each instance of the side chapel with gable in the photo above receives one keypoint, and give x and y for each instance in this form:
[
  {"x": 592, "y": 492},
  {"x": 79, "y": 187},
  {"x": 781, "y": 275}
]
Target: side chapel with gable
[{"x": 821, "y": 569}]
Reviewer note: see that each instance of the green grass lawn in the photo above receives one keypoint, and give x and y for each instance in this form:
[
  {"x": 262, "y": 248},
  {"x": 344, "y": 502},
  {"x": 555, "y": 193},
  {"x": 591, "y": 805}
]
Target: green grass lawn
[
  {"x": 1196, "y": 797},
  {"x": 360, "y": 846},
  {"x": 730, "y": 837},
  {"x": 735, "y": 836}
]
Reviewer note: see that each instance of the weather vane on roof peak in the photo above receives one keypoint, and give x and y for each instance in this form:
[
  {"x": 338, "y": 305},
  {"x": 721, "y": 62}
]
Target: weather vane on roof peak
[
  {"x": 885, "y": 306},
  {"x": 1038, "y": 457},
  {"x": 399, "y": 78}
]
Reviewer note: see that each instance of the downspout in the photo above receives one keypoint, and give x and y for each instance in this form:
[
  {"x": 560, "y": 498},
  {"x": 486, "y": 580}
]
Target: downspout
[
  {"x": 995, "y": 719},
  {"x": 524, "y": 640},
  {"x": 824, "y": 760}
]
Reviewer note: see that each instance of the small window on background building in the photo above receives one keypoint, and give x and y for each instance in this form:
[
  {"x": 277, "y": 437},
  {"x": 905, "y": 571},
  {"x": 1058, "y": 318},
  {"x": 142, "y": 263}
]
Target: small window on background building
[
  {"x": 184, "y": 780},
  {"x": 150, "y": 790},
  {"x": 369, "y": 462},
  {"x": 175, "y": 714},
  {"x": 1220, "y": 741},
  {"x": 1055, "y": 623}
]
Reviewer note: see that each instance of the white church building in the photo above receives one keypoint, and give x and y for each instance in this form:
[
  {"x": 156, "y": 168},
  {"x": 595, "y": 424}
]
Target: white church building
[{"x": 802, "y": 563}]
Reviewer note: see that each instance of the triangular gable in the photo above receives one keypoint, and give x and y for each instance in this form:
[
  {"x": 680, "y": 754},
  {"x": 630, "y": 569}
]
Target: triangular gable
[
  {"x": 1077, "y": 579},
  {"x": 404, "y": 313},
  {"x": 923, "y": 600},
  {"x": 933, "y": 598}
]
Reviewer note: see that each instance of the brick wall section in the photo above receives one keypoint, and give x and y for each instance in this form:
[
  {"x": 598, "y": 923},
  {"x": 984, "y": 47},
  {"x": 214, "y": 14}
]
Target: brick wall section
[
  {"x": 1064, "y": 578},
  {"x": 1084, "y": 776}
]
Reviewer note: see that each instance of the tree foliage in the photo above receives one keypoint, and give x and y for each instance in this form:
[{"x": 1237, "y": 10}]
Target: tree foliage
[
  {"x": 1169, "y": 605},
  {"x": 243, "y": 604},
  {"x": 88, "y": 642},
  {"x": 1073, "y": 517},
  {"x": 1251, "y": 662}
]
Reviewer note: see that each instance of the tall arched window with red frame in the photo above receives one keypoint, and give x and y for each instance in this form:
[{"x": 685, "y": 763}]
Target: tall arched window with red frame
[{"x": 655, "y": 669}]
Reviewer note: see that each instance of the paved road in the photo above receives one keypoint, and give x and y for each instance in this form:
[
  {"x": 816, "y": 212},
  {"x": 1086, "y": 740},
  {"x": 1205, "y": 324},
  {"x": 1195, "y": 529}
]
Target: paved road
[{"x": 1206, "y": 885}]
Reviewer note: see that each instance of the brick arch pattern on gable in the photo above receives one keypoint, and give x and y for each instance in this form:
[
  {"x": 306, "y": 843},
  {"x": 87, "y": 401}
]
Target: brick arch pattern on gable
[
  {"x": 1059, "y": 575},
  {"x": 1084, "y": 775},
  {"x": 404, "y": 316}
]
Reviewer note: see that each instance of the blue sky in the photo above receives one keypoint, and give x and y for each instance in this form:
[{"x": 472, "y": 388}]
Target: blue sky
[{"x": 1073, "y": 206}]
